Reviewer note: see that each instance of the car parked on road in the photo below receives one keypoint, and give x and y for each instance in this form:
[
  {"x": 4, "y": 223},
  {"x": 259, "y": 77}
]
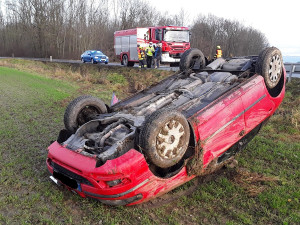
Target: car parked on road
[
  {"x": 94, "y": 56},
  {"x": 190, "y": 124}
]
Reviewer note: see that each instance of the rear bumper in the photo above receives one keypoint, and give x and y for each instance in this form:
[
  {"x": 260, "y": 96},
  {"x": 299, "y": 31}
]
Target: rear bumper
[{"x": 135, "y": 183}]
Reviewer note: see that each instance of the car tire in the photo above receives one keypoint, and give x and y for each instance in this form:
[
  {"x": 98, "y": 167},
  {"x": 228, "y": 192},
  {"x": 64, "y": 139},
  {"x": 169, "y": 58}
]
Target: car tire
[
  {"x": 81, "y": 110},
  {"x": 125, "y": 60},
  {"x": 164, "y": 137},
  {"x": 94, "y": 62},
  {"x": 106, "y": 62},
  {"x": 82, "y": 60},
  {"x": 192, "y": 59},
  {"x": 269, "y": 64}
]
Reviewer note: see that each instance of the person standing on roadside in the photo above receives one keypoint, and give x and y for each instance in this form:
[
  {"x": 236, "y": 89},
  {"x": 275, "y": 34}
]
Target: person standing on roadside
[
  {"x": 218, "y": 52},
  {"x": 157, "y": 55},
  {"x": 149, "y": 52},
  {"x": 141, "y": 56}
]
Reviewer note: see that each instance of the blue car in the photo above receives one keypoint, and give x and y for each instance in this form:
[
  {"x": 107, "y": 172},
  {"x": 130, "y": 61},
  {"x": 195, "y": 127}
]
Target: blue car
[{"x": 94, "y": 56}]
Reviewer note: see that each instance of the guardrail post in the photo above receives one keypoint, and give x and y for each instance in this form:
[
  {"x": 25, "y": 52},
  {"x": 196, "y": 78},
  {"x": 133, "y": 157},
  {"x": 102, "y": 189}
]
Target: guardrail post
[
  {"x": 50, "y": 58},
  {"x": 291, "y": 72}
]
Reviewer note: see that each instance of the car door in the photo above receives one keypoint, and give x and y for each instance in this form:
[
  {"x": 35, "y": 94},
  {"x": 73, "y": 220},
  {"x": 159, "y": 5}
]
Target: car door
[
  {"x": 258, "y": 106},
  {"x": 221, "y": 124},
  {"x": 89, "y": 56}
]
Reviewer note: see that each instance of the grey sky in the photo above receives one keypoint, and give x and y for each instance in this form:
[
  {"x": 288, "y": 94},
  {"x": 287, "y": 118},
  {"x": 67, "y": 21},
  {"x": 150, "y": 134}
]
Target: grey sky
[{"x": 278, "y": 20}]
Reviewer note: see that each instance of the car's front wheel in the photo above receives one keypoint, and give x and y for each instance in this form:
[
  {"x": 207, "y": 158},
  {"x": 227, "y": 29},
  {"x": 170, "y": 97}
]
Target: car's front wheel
[
  {"x": 94, "y": 62},
  {"x": 82, "y": 110},
  {"x": 164, "y": 138},
  {"x": 269, "y": 64}
]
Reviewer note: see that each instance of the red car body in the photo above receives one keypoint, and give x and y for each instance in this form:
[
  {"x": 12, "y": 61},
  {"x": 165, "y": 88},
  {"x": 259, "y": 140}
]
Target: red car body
[
  {"x": 220, "y": 127},
  {"x": 236, "y": 114}
]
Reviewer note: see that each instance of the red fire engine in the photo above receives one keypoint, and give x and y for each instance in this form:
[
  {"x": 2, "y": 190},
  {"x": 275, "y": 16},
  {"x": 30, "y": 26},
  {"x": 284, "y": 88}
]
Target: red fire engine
[{"x": 175, "y": 40}]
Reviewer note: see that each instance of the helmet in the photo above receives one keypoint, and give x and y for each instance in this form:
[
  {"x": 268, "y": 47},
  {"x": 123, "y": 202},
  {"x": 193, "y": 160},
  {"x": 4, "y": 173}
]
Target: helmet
[
  {"x": 138, "y": 45},
  {"x": 218, "y": 47},
  {"x": 150, "y": 43}
]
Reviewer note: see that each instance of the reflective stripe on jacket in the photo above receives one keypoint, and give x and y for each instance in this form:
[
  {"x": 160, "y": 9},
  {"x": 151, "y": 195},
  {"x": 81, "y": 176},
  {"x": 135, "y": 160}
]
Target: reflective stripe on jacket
[
  {"x": 219, "y": 53},
  {"x": 150, "y": 51},
  {"x": 141, "y": 53}
]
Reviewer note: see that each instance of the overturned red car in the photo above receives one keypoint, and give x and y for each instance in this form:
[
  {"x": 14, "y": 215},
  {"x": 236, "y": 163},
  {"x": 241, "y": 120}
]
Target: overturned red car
[{"x": 188, "y": 125}]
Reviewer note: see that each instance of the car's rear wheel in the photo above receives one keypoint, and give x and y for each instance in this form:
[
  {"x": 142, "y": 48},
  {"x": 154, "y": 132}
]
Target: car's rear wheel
[
  {"x": 192, "y": 59},
  {"x": 164, "y": 138},
  {"x": 82, "y": 110},
  {"x": 269, "y": 64}
]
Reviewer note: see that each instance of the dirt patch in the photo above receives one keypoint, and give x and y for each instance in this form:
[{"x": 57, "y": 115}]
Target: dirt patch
[{"x": 252, "y": 183}]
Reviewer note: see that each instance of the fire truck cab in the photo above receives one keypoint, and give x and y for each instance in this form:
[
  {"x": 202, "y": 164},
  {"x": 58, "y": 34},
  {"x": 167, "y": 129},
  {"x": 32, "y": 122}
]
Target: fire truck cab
[{"x": 175, "y": 41}]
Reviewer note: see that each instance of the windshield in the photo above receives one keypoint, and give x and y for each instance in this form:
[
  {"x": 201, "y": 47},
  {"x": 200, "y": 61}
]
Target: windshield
[
  {"x": 96, "y": 53},
  {"x": 177, "y": 36}
]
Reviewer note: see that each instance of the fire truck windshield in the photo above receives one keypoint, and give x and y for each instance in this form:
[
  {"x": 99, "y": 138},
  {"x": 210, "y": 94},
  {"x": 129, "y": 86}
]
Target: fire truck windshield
[{"x": 176, "y": 36}]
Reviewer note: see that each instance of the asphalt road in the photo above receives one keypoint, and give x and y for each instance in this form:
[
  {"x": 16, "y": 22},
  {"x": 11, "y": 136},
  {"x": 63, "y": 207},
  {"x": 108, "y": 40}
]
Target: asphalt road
[{"x": 162, "y": 67}]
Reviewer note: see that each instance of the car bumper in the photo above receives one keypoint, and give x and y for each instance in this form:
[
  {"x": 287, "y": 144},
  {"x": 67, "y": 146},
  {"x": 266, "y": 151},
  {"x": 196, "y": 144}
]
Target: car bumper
[
  {"x": 101, "y": 60},
  {"x": 135, "y": 183}
]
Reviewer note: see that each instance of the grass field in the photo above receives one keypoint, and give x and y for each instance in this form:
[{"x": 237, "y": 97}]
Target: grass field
[{"x": 263, "y": 189}]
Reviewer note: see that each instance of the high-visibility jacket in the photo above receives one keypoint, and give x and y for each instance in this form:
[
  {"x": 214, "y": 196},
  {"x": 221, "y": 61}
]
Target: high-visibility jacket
[
  {"x": 219, "y": 53},
  {"x": 150, "y": 51},
  {"x": 141, "y": 53}
]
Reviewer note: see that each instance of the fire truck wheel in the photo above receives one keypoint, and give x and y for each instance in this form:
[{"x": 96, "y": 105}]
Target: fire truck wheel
[
  {"x": 192, "y": 59},
  {"x": 269, "y": 64},
  {"x": 82, "y": 110},
  {"x": 125, "y": 60},
  {"x": 164, "y": 138}
]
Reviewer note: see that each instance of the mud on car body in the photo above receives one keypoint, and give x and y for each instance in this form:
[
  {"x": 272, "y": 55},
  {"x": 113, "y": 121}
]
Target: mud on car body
[{"x": 188, "y": 125}]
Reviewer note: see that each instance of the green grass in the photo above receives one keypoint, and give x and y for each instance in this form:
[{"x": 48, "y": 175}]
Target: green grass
[{"x": 263, "y": 189}]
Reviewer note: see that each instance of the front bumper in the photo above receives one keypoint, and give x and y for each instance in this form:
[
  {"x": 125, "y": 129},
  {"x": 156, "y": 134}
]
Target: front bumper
[
  {"x": 101, "y": 60},
  {"x": 135, "y": 182}
]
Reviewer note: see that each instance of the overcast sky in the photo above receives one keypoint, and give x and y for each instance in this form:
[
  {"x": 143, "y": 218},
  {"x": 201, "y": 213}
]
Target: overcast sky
[{"x": 278, "y": 20}]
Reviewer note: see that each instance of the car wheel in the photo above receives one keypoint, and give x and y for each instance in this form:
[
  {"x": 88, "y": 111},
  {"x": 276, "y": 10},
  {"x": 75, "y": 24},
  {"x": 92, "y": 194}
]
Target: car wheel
[
  {"x": 192, "y": 59},
  {"x": 125, "y": 60},
  {"x": 82, "y": 110},
  {"x": 82, "y": 60},
  {"x": 164, "y": 138},
  {"x": 106, "y": 62},
  {"x": 269, "y": 64},
  {"x": 94, "y": 62}
]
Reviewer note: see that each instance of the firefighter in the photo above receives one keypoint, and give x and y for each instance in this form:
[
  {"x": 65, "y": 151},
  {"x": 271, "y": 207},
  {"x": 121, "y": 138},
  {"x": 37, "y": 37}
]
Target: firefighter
[
  {"x": 218, "y": 52},
  {"x": 149, "y": 52},
  {"x": 141, "y": 56}
]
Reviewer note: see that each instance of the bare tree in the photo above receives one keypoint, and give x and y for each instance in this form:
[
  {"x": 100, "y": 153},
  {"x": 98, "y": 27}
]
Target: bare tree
[{"x": 65, "y": 28}]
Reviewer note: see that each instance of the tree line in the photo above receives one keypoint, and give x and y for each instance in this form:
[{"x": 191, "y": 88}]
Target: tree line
[{"x": 65, "y": 28}]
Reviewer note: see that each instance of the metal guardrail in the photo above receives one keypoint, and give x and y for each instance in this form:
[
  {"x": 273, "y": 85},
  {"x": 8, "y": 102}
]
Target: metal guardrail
[{"x": 292, "y": 68}]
